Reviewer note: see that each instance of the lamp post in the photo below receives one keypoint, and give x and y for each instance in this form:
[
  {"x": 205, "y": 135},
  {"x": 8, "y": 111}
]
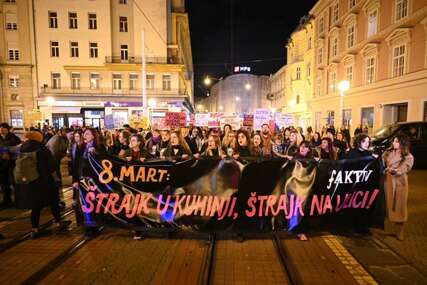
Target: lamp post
[{"x": 343, "y": 86}]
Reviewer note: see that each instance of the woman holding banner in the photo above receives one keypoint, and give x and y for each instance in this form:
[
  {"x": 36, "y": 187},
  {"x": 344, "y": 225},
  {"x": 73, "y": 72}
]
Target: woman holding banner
[
  {"x": 136, "y": 151},
  {"x": 243, "y": 148},
  {"x": 213, "y": 147},
  {"x": 398, "y": 162},
  {"x": 178, "y": 148},
  {"x": 327, "y": 150},
  {"x": 257, "y": 145},
  {"x": 93, "y": 145}
]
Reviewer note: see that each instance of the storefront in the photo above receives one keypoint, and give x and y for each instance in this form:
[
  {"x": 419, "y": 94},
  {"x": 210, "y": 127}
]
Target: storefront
[
  {"x": 93, "y": 117},
  {"x": 60, "y": 120}
]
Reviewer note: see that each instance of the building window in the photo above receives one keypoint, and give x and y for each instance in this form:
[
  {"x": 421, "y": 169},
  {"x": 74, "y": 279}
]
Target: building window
[
  {"x": 335, "y": 13},
  {"x": 334, "y": 49},
  {"x": 298, "y": 75},
  {"x": 12, "y": 26},
  {"x": 399, "y": 53},
  {"x": 123, "y": 24},
  {"x": 401, "y": 9},
  {"x": 74, "y": 49},
  {"x": 54, "y": 49},
  {"x": 11, "y": 23},
  {"x": 166, "y": 82},
  {"x": 92, "y": 22},
  {"x": 372, "y": 23},
  {"x": 332, "y": 81},
  {"x": 117, "y": 82},
  {"x": 93, "y": 50},
  {"x": 13, "y": 54},
  {"x": 320, "y": 56},
  {"x": 124, "y": 52},
  {"x": 150, "y": 81},
  {"x": 308, "y": 68},
  {"x": 350, "y": 36},
  {"x": 72, "y": 20},
  {"x": 123, "y": 1},
  {"x": 318, "y": 85},
  {"x": 94, "y": 80},
  {"x": 14, "y": 81},
  {"x": 53, "y": 20},
  {"x": 10, "y": 1},
  {"x": 16, "y": 118},
  {"x": 321, "y": 26},
  {"x": 309, "y": 43},
  {"x": 56, "y": 80},
  {"x": 351, "y": 3},
  {"x": 75, "y": 80},
  {"x": 370, "y": 70},
  {"x": 133, "y": 80},
  {"x": 425, "y": 111},
  {"x": 297, "y": 99},
  {"x": 349, "y": 74},
  {"x": 330, "y": 120}
]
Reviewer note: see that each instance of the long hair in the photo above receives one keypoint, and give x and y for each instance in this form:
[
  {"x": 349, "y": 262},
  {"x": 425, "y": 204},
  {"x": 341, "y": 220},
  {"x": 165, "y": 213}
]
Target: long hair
[
  {"x": 248, "y": 140},
  {"x": 330, "y": 148},
  {"x": 73, "y": 141},
  {"x": 405, "y": 145},
  {"x": 217, "y": 145},
  {"x": 181, "y": 141},
  {"x": 96, "y": 137}
]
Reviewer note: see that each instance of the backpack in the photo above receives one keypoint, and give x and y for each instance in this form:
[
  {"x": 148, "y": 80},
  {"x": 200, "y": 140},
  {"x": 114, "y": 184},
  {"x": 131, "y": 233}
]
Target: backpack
[{"x": 25, "y": 170}]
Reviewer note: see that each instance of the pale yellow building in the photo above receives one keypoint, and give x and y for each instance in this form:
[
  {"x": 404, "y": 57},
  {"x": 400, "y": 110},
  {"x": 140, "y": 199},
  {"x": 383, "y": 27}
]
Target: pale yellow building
[
  {"x": 379, "y": 46},
  {"x": 80, "y": 62},
  {"x": 17, "y": 76},
  {"x": 277, "y": 94},
  {"x": 299, "y": 73}
]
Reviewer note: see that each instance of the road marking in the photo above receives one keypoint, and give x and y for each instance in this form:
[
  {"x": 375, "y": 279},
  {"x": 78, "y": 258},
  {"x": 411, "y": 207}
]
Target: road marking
[{"x": 351, "y": 264}]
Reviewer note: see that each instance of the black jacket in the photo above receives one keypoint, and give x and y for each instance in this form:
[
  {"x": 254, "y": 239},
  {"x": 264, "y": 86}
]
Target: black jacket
[
  {"x": 357, "y": 153},
  {"x": 43, "y": 191}
]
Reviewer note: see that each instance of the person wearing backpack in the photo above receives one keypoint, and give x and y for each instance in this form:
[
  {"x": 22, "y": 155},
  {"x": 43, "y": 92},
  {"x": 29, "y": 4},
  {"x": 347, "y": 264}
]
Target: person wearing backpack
[{"x": 35, "y": 184}]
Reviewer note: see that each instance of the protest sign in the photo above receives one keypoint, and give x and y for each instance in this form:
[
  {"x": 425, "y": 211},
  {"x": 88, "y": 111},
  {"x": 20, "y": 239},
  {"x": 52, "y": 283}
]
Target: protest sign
[
  {"x": 202, "y": 119},
  {"x": 176, "y": 119},
  {"x": 261, "y": 116}
]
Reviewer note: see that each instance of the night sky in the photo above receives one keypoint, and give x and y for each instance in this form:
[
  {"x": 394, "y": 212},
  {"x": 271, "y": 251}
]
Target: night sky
[{"x": 260, "y": 31}]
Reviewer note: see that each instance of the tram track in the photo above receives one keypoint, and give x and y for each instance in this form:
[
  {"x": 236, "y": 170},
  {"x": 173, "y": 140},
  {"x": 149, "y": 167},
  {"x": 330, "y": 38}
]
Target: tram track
[
  {"x": 12, "y": 243},
  {"x": 55, "y": 263}
]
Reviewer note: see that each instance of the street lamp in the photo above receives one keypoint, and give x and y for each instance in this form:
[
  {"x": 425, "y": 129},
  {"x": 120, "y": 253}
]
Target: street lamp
[
  {"x": 343, "y": 86},
  {"x": 207, "y": 81},
  {"x": 248, "y": 86},
  {"x": 237, "y": 98},
  {"x": 50, "y": 101}
]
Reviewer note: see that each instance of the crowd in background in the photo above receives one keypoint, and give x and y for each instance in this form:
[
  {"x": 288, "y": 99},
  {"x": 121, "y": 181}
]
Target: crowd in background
[{"x": 135, "y": 146}]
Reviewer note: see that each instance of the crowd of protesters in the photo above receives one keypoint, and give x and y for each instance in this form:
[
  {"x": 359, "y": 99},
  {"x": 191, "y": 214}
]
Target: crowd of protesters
[{"x": 133, "y": 145}]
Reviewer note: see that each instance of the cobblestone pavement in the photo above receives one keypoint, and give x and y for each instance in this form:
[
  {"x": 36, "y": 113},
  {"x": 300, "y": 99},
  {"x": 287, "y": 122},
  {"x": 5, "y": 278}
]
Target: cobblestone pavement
[{"x": 392, "y": 261}]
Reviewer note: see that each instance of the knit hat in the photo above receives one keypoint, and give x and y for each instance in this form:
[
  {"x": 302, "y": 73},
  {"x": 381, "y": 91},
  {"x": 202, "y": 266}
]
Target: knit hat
[{"x": 34, "y": 136}]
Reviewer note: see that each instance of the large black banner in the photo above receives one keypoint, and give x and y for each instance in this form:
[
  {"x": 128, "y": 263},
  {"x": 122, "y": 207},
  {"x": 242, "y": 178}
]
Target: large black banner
[{"x": 226, "y": 194}]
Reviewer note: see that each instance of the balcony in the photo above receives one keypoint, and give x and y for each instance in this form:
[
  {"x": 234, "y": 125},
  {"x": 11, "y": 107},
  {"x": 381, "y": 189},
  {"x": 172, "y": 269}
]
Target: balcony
[
  {"x": 138, "y": 60},
  {"x": 108, "y": 91}
]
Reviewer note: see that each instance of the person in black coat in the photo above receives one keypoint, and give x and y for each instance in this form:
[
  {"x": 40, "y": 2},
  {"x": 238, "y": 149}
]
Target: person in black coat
[
  {"x": 7, "y": 162},
  {"x": 178, "y": 148},
  {"x": 43, "y": 191},
  {"x": 361, "y": 147}
]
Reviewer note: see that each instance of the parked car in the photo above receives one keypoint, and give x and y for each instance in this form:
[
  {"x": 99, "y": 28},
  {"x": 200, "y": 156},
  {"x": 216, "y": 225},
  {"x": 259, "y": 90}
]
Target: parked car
[{"x": 415, "y": 131}]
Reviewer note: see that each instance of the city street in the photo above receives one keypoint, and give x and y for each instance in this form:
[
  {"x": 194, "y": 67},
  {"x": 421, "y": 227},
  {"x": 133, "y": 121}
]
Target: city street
[
  {"x": 195, "y": 258},
  {"x": 213, "y": 142}
]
